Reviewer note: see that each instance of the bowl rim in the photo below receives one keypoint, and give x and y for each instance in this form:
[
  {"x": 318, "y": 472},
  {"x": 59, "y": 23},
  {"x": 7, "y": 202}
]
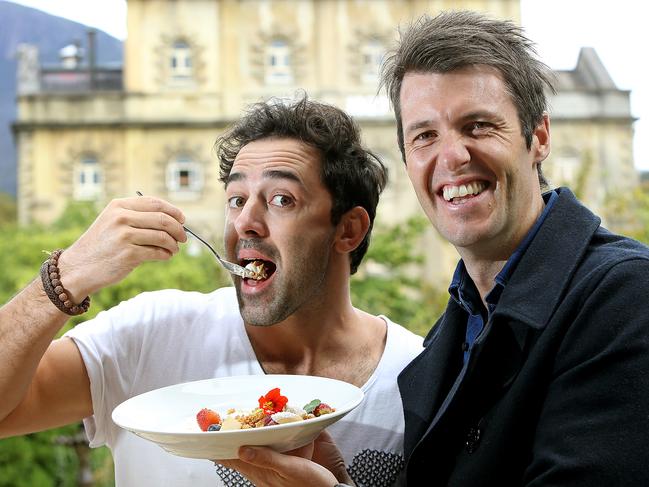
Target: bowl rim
[{"x": 340, "y": 411}]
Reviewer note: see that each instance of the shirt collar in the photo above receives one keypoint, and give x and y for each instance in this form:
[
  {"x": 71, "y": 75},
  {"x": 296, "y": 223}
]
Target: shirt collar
[{"x": 462, "y": 288}]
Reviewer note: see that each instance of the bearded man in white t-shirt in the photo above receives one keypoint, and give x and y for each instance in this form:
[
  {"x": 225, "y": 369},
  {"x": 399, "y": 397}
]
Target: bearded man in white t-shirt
[{"x": 301, "y": 197}]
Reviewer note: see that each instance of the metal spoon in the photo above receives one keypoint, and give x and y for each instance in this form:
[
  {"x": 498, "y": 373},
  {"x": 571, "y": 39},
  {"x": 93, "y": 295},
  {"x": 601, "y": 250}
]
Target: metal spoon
[{"x": 229, "y": 266}]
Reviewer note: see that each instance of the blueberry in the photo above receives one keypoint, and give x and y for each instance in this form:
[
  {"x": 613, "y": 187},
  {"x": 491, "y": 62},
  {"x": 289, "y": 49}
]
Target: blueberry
[{"x": 214, "y": 427}]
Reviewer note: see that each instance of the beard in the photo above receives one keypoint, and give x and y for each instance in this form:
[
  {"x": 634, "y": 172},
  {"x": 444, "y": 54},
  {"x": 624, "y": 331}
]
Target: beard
[{"x": 296, "y": 283}]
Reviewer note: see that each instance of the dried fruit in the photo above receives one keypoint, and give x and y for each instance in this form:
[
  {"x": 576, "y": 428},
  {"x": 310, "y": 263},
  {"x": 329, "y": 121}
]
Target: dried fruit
[{"x": 322, "y": 408}]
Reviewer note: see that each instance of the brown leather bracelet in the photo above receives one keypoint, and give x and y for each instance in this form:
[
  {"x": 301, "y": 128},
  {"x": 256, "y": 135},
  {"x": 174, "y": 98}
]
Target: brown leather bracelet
[{"x": 51, "y": 278}]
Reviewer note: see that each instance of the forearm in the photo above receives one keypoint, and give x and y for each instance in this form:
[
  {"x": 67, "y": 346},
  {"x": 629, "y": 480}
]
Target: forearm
[{"x": 28, "y": 323}]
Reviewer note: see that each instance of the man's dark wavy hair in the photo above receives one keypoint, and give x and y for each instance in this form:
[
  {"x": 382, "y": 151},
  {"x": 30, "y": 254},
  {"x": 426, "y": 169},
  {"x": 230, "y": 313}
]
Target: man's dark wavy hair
[{"x": 353, "y": 175}]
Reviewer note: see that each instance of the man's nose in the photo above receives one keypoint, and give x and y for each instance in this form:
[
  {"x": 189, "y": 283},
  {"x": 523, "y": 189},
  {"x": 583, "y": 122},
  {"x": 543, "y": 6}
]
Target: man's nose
[
  {"x": 453, "y": 152},
  {"x": 250, "y": 222}
]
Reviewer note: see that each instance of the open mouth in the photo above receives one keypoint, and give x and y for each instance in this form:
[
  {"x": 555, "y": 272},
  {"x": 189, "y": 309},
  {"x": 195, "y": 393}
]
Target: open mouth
[
  {"x": 262, "y": 269},
  {"x": 463, "y": 192}
]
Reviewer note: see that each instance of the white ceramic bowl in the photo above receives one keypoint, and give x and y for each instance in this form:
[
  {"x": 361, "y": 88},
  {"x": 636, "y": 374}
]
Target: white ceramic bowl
[{"x": 167, "y": 416}]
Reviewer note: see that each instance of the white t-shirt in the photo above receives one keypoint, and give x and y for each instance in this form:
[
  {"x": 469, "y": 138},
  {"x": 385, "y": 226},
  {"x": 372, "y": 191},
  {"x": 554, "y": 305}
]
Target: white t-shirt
[{"x": 166, "y": 337}]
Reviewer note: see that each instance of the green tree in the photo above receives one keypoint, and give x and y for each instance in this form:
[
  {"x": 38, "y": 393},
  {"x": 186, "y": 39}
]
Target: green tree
[
  {"x": 8, "y": 211},
  {"x": 388, "y": 281},
  {"x": 628, "y": 214}
]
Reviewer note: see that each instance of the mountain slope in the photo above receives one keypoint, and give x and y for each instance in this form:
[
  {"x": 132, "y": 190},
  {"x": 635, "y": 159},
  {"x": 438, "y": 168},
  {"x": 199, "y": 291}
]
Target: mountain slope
[{"x": 19, "y": 24}]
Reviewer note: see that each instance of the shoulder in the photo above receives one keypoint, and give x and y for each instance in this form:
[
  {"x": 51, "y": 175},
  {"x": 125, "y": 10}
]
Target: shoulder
[
  {"x": 615, "y": 255},
  {"x": 401, "y": 342},
  {"x": 401, "y": 333}
]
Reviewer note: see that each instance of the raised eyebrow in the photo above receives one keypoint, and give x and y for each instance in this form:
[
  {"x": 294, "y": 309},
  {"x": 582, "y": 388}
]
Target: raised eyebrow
[
  {"x": 270, "y": 173},
  {"x": 480, "y": 115},
  {"x": 234, "y": 176},
  {"x": 280, "y": 174}
]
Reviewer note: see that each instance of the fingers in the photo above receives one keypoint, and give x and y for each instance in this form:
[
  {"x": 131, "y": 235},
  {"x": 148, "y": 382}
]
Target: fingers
[
  {"x": 150, "y": 204},
  {"x": 150, "y": 213},
  {"x": 327, "y": 454},
  {"x": 260, "y": 457},
  {"x": 233, "y": 464},
  {"x": 163, "y": 224},
  {"x": 324, "y": 437},
  {"x": 286, "y": 465},
  {"x": 266, "y": 467},
  {"x": 128, "y": 231}
]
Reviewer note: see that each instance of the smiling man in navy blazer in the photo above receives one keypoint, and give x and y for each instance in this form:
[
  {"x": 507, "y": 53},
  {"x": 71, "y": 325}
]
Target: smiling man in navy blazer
[{"x": 537, "y": 373}]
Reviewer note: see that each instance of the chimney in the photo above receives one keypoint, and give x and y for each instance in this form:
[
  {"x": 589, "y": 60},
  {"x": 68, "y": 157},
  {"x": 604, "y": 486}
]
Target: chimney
[{"x": 92, "y": 68}]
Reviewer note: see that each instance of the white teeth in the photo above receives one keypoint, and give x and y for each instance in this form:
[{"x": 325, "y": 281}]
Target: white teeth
[{"x": 474, "y": 188}]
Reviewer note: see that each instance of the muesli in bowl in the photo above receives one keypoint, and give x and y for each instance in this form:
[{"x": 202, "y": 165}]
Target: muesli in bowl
[{"x": 273, "y": 409}]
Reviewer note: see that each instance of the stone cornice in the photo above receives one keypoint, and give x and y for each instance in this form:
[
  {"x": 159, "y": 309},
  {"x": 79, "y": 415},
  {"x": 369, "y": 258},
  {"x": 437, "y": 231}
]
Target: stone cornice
[{"x": 26, "y": 126}]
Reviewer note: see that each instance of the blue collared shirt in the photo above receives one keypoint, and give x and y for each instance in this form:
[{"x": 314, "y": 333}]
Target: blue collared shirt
[{"x": 465, "y": 293}]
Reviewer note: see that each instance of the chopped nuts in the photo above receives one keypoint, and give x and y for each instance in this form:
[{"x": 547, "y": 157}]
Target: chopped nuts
[{"x": 257, "y": 267}]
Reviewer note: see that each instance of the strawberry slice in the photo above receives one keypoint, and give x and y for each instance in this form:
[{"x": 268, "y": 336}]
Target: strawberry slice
[{"x": 207, "y": 417}]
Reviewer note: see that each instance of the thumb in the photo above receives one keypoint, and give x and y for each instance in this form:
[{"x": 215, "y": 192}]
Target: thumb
[
  {"x": 260, "y": 457},
  {"x": 288, "y": 470}
]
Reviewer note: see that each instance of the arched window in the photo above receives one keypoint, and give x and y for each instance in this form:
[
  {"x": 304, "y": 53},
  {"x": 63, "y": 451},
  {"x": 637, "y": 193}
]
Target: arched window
[
  {"x": 278, "y": 62},
  {"x": 372, "y": 53},
  {"x": 184, "y": 175},
  {"x": 181, "y": 60},
  {"x": 88, "y": 184}
]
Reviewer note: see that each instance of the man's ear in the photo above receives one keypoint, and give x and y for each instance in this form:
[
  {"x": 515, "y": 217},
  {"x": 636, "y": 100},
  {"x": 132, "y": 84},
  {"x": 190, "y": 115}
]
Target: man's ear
[
  {"x": 541, "y": 139},
  {"x": 351, "y": 229}
]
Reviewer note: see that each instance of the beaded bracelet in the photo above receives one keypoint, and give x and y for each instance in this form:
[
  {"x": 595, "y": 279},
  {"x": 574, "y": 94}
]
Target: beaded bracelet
[{"x": 50, "y": 276}]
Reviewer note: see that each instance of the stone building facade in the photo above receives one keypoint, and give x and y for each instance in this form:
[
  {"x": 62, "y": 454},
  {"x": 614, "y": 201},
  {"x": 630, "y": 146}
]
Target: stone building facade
[{"x": 190, "y": 68}]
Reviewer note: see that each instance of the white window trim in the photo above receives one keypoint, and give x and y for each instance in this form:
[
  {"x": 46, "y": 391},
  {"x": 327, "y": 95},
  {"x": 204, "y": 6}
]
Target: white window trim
[
  {"x": 181, "y": 52},
  {"x": 90, "y": 189},
  {"x": 375, "y": 50},
  {"x": 195, "y": 178},
  {"x": 278, "y": 73}
]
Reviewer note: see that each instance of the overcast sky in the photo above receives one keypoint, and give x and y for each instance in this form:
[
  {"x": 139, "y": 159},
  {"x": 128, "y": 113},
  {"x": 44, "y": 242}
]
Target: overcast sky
[{"x": 559, "y": 27}]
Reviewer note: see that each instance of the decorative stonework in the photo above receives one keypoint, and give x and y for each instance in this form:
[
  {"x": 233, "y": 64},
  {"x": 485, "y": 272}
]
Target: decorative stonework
[
  {"x": 112, "y": 184},
  {"x": 259, "y": 48},
  {"x": 355, "y": 50},
  {"x": 172, "y": 151},
  {"x": 163, "y": 52}
]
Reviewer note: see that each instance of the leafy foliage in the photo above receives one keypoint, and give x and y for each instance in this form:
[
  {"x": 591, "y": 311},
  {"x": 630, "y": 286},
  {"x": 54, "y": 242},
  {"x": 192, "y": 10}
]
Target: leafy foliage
[
  {"x": 387, "y": 282},
  {"x": 628, "y": 213},
  {"x": 7, "y": 210}
]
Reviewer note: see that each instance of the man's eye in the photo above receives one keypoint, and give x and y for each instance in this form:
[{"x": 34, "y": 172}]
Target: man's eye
[
  {"x": 281, "y": 200},
  {"x": 479, "y": 127},
  {"x": 235, "y": 202},
  {"x": 423, "y": 136}
]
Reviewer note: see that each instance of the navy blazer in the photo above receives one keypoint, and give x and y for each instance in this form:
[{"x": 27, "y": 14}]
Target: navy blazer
[{"x": 556, "y": 391}]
